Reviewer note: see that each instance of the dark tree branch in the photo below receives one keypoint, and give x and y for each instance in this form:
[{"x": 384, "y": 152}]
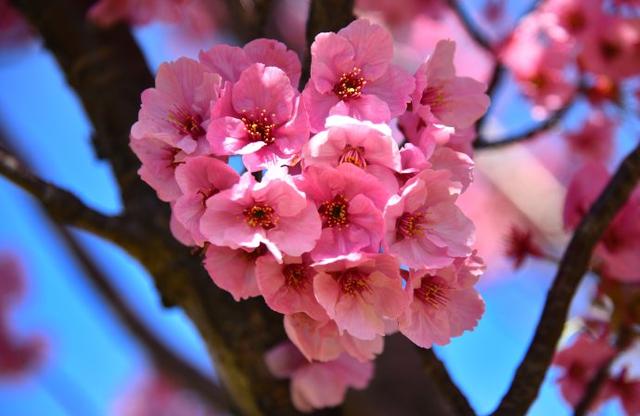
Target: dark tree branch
[
  {"x": 324, "y": 16},
  {"x": 549, "y": 123},
  {"x": 61, "y": 205},
  {"x": 248, "y": 18},
  {"x": 478, "y": 37},
  {"x": 108, "y": 71},
  {"x": 163, "y": 358},
  {"x": 458, "y": 404},
  {"x": 575, "y": 261}
]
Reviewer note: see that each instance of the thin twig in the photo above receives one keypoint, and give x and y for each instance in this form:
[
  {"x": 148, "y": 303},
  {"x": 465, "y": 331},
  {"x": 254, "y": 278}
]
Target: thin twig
[
  {"x": 549, "y": 123},
  {"x": 575, "y": 261},
  {"x": 471, "y": 28},
  {"x": 437, "y": 371},
  {"x": 63, "y": 206}
]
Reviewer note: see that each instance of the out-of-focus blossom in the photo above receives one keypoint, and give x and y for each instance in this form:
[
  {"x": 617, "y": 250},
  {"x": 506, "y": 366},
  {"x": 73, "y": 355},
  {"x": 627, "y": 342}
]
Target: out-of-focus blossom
[
  {"x": 594, "y": 140},
  {"x": 317, "y": 385},
  {"x": 158, "y": 395},
  {"x": 580, "y": 362},
  {"x": 197, "y": 18},
  {"x": 520, "y": 245},
  {"x": 18, "y": 355}
]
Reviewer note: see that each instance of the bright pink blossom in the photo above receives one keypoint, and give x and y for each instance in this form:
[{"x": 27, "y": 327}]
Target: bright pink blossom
[
  {"x": 424, "y": 227},
  {"x": 287, "y": 286},
  {"x": 352, "y": 74},
  {"x": 347, "y": 140},
  {"x": 177, "y": 110},
  {"x": 234, "y": 270},
  {"x": 199, "y": 178},
  {"x": 317, "y": 385},
  {"x": 273, "y": 212},
  {"x": 455, "y": 101},
  {"x": 360, "y": 291},
  {"x": 444, "y": 304},
  {"x": 617, "y": 253},
  {"x": 261, "y": 118},
  {"x": 230, "y": 61},
  {"x": 581, "y": 361},
  {"x": 350, "y": 204}
]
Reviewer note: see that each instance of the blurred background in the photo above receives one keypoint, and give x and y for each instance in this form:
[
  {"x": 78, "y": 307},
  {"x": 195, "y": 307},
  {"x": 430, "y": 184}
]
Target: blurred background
[{"x": 87, "y": 363}]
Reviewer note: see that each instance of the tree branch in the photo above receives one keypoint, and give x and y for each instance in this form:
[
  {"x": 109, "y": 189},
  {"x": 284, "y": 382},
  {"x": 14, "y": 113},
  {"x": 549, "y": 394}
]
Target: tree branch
[
  {"x": 162, "y": 357},
  {"x": 437, "y": 371},
  {"x": 549, "y": 123},
  {"x": 530, "y": 374},
  {"x": 324, "y": 16},
  {"x": 108, "y": 72},
  {"x": 61, "y": 205},
  {"x": 478, "y": 37}
]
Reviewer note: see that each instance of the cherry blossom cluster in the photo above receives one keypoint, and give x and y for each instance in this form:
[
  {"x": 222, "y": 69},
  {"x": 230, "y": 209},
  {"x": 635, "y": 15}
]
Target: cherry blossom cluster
[
  {"x": 345, "y": 218},
  {"x": 562, "y": 47}
]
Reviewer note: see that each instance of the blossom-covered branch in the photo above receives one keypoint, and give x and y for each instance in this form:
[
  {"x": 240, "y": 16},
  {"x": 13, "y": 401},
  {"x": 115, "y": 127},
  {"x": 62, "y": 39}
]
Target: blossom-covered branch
[{"x": 530, "y": 374}]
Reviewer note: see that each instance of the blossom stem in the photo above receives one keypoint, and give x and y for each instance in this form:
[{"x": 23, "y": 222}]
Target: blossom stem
[{"x": 575, "y": 262}]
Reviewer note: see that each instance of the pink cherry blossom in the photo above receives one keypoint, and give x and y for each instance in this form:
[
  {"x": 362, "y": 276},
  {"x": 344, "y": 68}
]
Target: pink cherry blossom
[
  {"x": 347, "y": 140},
  {"x": 350, "y": 204},
  {"x": 321, "y": 340},
  {"x": 231, "y": 61},
  {"x": 444, "y": 304},
  {"x": 159, "y": 162},
  {"x": 359, "y": 291},
  {"x": 352, "y": 74},
  {"x": 424, "y": 227},
  {"x": 272, "y": 212},
  {"x": 540, "y": 67},
  {"x": 287, "y": 286},
  {"x": 234, "y": 270},
  {"x": 617, "y": 252},
  {"x": 613, "y": 52},
  {"x": 261, "y": 118},
  {"x": 594, "y": 140},
  {"x": 581, "y": 361},
  {"x": 199, "y": 178},
  {"x": 177, "y": 110},
  {"x": 455, "y": 101},
  {"x": 317, "y": 385}
]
